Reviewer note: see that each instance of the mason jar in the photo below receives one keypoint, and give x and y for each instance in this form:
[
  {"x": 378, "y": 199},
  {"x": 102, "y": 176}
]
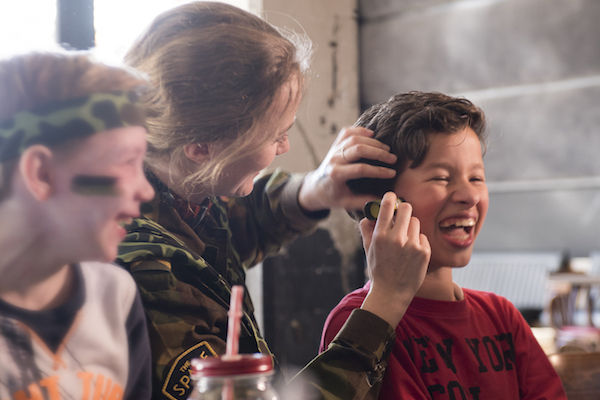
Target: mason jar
[{"x": 242, "y": 376}]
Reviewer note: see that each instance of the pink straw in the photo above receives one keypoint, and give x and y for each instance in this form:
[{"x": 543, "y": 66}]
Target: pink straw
[
  {"x": 235, "y": 313},
  {"x": 233, "y": 334}
]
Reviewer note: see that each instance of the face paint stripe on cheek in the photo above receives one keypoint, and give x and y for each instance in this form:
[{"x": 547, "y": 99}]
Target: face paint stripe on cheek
[{"x": 95, "y": 185}]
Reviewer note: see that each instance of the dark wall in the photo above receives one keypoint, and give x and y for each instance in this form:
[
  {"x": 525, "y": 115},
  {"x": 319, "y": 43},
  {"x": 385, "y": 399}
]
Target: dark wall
[{"x": 301, "y": 287}]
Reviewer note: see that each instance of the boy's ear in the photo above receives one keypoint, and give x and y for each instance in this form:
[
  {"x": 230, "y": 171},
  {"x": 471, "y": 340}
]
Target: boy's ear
[
  {"x": 35, "y": 166},
  {"x": 197, "y": 152}
]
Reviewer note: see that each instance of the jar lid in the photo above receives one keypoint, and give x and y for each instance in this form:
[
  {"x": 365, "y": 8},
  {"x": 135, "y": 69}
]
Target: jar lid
[{"x": 239, "y": 364}]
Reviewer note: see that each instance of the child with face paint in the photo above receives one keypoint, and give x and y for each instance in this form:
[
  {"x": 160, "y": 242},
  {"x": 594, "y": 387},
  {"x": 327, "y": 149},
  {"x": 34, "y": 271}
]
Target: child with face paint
[
  {"x": 452, "y": 342},
  {"x": 72, "y": 143}
]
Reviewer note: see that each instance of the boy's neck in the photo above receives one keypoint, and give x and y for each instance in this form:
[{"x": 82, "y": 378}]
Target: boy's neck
[
  {"x": 35, "y": 274},
  {"x": 43, "y": 294},
  {"x": 438, "y": 285}
]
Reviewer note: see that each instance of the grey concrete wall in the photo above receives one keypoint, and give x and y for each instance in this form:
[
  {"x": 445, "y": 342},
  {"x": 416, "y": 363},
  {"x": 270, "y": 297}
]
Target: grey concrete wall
[
  {"x": 304, "y": 282},
  {"x": 331, "y": 100},
  {"x": 534, "y": 67}
]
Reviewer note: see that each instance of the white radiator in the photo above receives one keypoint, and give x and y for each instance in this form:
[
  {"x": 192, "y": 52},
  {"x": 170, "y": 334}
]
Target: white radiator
[{"x": 520, "y": 277}]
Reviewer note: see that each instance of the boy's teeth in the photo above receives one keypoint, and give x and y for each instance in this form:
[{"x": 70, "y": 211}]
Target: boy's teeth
[{"x": 458, "y": 222}]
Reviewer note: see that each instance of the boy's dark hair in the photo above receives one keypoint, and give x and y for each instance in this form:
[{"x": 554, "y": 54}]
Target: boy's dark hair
[{"x": 405, "y": 122}]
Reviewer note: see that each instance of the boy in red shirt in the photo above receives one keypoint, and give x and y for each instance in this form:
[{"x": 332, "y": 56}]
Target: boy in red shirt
[{"x": 452, "y": 343}]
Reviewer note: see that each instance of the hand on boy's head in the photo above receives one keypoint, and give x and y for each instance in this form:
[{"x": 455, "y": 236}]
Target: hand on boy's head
[{"x": 326, "y": 186}]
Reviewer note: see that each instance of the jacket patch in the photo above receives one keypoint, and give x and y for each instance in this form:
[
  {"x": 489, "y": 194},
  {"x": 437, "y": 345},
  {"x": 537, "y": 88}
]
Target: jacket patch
[
  {"x": 151, "y": 265},
  {"x": 178, "y": 383}
]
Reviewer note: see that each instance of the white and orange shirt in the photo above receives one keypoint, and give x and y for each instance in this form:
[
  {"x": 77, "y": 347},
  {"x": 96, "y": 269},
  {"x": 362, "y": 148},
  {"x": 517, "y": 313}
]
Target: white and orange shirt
[{"x": 93, "y": 346}]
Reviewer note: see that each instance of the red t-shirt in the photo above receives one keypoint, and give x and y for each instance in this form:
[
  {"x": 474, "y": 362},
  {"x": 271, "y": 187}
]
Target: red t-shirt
[{"x": 477, "y": 348}]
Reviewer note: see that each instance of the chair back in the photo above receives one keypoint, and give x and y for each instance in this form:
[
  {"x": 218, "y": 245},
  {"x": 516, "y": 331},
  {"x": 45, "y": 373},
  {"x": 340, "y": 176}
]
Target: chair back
[
  {"x": 566, "y": 307},
  {"x": 579, "y": 373}
]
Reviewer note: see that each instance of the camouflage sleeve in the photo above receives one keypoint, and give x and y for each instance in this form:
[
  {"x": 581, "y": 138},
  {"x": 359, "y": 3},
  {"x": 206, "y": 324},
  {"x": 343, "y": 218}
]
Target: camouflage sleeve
[
  {"x": 270, "y": 217},
  {"x": 353, "y": 365}
]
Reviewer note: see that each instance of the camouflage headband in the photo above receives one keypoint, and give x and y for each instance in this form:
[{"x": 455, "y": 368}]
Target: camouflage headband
[{"x": 59, "y": 122}]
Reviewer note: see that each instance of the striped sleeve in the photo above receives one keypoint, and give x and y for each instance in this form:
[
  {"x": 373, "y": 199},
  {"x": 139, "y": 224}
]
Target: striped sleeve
[{"x": 139, "y": 386}]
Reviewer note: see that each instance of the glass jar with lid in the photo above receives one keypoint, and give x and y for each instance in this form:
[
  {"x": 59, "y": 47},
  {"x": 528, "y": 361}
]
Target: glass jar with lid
[{"x": 241, "y": 376}]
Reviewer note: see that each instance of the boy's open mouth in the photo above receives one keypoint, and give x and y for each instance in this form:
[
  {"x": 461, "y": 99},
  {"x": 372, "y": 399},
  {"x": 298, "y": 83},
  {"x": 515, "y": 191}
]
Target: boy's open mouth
[{"x": 457, "y": 227}]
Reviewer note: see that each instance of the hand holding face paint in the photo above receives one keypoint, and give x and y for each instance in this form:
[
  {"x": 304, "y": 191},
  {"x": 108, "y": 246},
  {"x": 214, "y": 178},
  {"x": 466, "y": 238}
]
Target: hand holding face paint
[
  {"x": 371, "y": 209},
  {"x": 397, "y": 258}
]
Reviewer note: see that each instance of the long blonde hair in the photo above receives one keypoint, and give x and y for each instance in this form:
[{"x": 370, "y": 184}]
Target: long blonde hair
[{"x": 215, "y": 71}]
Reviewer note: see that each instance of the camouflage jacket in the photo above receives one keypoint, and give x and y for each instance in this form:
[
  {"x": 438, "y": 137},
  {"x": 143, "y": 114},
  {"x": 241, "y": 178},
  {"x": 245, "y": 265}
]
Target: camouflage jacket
[{"x": 185, "y": 271}]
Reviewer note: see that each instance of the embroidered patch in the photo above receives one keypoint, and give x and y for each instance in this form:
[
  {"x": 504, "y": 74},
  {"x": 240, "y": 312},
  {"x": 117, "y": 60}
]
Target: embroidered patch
[
  {"x": 151, "y": 265},
  {"x": 178, "y": 383}
]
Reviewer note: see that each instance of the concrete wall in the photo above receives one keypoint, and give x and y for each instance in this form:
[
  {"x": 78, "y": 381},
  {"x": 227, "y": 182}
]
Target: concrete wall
[
  {"x": 307, "y": 280},
  {"x": 331, "y": 100},
  {"x": 534, "y": 67}
]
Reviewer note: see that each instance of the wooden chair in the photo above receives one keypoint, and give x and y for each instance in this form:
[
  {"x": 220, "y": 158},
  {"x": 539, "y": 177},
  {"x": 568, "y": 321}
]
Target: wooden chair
[
  {"x": 579, "y": 373},
  {"x": 565, "y": 306}
]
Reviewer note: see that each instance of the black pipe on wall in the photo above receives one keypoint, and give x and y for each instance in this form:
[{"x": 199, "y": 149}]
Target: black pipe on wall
[{"x": 75, "y": 24}]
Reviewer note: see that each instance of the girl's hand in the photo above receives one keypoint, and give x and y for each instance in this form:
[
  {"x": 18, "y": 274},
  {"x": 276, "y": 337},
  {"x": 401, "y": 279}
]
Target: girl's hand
[
  {"x": 397, "y": 259},
  {"x": 326, "y": 187}
]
